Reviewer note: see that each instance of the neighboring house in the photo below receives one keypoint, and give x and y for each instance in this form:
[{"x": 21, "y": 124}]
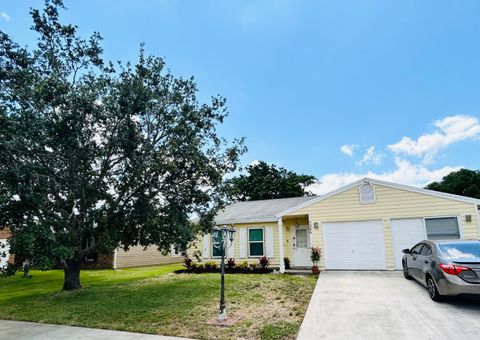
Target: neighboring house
[
  {"x": 135, "y": 257},
  {"x": 361, "y": 226},
  {"x": 4, "y": 236},
  {"x": 138, "y": 256}
]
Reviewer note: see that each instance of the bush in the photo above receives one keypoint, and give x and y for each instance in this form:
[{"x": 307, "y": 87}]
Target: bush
[
  {"x": 286, "y": 260},
  {"x": 315, "y": 256},
  {"x": 231, "y": 263},
  {"x": 196, "y": 267},
  {"x": 253, "y": 266},
  {"x": 211, "y": 266},
  {"x": 264, "y": 262},
  {"x": 187, "y": 262},
  {"x": 243, "y": 266}
]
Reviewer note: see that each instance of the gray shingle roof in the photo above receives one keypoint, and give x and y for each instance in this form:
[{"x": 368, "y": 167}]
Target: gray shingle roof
[{"x": 258, "y": 210}]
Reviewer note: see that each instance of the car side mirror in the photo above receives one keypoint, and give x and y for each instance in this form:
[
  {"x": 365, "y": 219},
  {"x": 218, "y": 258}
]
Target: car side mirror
[{"x": 406, "y": 251}]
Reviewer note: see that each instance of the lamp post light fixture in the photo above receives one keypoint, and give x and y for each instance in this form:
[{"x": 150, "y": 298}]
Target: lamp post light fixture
[{"x": 222, "y": 238}]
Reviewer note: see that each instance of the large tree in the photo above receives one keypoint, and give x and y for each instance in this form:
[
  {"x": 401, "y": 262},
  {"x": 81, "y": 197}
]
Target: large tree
[
  {"x": 95, "y": 156},
  {"x": 463, "y": 182},
  {"x": 266, "y": 181}
]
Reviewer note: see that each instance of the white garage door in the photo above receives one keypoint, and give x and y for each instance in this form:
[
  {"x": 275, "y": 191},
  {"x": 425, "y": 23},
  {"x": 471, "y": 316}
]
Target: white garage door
[
  {"x": 3, "y": 260},
  {"x": 354, "y": 245},
  {"x": 405, "y": 234}
]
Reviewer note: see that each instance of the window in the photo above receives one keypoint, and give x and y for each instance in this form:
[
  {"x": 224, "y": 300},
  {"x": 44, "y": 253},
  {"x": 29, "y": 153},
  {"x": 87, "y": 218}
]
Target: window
[
  {"x": 255, "y": 242},
  {"x": 416, "y": 250},
  {"x": 426, "y": 250},
  {"x": 461, "y": 252},
  {"x": 175, "y": 250},
  {"x": 444, "y": 228},
  {"x": 367, "y": 193}
]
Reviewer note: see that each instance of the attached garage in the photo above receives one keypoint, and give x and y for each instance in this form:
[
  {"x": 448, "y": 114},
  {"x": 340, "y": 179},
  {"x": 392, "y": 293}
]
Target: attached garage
[
  {"x": 407, "y": 232},
  {"x": 367, "y": 224},
  {"x": 354, "y": 245}
]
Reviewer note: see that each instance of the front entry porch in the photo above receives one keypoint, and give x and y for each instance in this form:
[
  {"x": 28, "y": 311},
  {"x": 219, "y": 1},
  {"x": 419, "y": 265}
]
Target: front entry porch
[{"x": 295, "y": 242}]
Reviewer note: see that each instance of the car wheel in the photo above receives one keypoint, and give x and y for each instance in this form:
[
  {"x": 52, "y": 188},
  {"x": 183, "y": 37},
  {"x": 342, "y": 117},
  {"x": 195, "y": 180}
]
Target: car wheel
[
  {"x": 432, "y": 290},
  {"x": 405, "y": 271}
]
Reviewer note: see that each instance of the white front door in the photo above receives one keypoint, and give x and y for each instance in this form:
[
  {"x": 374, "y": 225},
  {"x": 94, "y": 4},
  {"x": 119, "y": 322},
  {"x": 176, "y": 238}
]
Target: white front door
[
  {"x": 405, "y": 234},
  {"x": 301, "y": 249}
]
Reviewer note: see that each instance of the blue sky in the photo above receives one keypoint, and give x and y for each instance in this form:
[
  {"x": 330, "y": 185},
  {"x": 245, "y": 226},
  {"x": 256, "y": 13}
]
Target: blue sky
[{"x": 396, "y": 83}]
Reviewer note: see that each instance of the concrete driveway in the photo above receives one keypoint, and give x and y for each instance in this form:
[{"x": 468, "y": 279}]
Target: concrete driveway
[{"x": 383, "y": 305}]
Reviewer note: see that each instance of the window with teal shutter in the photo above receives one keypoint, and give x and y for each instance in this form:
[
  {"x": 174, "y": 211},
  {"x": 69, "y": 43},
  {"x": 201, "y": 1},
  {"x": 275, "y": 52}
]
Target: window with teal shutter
[{"x": 255, "y": 242}]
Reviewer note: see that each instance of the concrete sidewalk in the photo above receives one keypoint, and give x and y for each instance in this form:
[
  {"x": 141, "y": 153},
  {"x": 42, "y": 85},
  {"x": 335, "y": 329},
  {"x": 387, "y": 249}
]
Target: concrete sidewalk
[{"x": 16, "y": 330}]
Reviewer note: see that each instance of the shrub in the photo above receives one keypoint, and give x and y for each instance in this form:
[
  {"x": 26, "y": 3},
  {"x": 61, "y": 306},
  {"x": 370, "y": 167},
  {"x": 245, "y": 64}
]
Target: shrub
[
  {"x": 187, "y": 262},
  {"x": 231, "y": 263},
  {"x": 263, "y": 262},
  {"x": 315, "y": 256},
  {"x": 243, "y": 266},
  {"x": 286, "y": 260},
  {"x": 211, "y": 266},
  {"x": 253, "y": 266}
]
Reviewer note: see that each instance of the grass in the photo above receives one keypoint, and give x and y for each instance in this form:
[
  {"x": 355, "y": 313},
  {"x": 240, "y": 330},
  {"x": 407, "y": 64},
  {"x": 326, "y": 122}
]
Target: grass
[{"x": 155, "y": 300}]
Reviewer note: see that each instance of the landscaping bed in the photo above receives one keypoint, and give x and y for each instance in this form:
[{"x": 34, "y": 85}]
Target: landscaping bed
[{"x": 155, "y": 300}]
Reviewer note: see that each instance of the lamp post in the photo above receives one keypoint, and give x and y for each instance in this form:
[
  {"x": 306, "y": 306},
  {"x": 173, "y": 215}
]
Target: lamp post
[{"x": 220, "y": 238}]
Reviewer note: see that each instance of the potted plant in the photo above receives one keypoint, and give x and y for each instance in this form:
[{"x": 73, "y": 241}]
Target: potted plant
[{"x": 315, "y": 257}]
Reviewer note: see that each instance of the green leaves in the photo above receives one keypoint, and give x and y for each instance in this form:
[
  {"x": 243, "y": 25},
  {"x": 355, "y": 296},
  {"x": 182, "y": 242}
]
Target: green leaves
[
  {"x": 463, "y": 182},
  {"x": 98, "y": 156},
  {"x": 265, "y": 181}
]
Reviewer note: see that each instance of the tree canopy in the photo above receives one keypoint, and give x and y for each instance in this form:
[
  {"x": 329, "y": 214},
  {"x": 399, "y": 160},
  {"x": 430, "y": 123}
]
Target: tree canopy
[
  {"x": 463, "y": 182},
  {"x": 96, "y": 155},
  {"x": 266, "y": 181}
]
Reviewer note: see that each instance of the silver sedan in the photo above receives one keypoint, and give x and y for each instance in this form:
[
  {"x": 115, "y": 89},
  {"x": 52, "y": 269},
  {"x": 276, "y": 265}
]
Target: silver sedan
[{"x": 444, "y": 267}]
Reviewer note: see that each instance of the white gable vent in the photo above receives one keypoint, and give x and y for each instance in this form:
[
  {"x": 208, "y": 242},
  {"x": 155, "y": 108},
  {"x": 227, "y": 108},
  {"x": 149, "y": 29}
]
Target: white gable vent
[{"x": 367, "y": 193}]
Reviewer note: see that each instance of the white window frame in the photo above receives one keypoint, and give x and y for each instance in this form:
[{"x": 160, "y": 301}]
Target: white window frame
[
  {"x": 172, "y": 251},
  {"x": 360, "y": 193},
  {"x": 263, "y": 241}
]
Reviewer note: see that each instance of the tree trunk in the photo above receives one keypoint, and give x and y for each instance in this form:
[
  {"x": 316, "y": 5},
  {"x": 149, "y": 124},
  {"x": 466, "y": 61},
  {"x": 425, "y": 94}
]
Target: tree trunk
[{"x": 71, "y": 269}]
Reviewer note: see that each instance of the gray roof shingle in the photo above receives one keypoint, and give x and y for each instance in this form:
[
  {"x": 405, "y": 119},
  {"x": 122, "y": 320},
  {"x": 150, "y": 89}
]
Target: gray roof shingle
[{"x": 258, "y": 210}]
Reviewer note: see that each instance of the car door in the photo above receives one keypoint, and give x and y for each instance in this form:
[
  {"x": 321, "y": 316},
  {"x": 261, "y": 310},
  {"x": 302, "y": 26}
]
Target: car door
[
  {"x": 413, "y": 262},
  {"x": 424, "y": 261}
]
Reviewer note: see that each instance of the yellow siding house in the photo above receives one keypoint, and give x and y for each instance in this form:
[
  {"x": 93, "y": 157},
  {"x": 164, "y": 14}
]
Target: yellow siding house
[{"x": 362, "y": 226}]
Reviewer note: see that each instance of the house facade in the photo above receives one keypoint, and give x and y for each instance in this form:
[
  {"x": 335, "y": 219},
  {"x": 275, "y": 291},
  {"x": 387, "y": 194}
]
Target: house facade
[{"x": 362, "y": 226}]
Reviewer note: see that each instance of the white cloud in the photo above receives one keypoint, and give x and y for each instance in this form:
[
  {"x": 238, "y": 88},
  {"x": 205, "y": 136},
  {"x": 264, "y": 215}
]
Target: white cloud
[
  {"x": 404, "y": 173},
  {"x": 449, "y": 130},
  {"x": 370, "y": 157},
  {"x": 4, "y": 16},
  {"x": 348, "y": 149}
]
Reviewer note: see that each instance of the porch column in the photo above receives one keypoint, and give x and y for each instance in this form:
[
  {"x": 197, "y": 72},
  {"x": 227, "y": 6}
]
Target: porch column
[{"x": 280, "y": 245}]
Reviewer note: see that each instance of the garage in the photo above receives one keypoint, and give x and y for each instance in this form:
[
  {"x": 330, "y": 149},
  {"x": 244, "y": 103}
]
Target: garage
[
  {"x": 405, "y": 233},
  {"x": 356, "y": 245}
]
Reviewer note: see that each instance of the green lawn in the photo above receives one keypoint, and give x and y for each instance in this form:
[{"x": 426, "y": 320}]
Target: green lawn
[{"x": 155, "y": 300}]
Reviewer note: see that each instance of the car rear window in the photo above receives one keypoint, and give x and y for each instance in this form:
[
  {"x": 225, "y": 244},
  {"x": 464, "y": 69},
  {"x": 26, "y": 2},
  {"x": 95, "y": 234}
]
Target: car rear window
[{"x": 468, "y": 252}]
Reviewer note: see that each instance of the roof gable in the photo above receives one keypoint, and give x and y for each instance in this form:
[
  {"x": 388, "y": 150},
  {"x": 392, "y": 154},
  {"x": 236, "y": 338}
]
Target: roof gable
[{"x": 380, "y": 183}]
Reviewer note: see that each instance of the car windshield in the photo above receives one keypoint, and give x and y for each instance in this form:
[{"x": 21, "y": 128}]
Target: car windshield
[{"x": 467, "y": 252}]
